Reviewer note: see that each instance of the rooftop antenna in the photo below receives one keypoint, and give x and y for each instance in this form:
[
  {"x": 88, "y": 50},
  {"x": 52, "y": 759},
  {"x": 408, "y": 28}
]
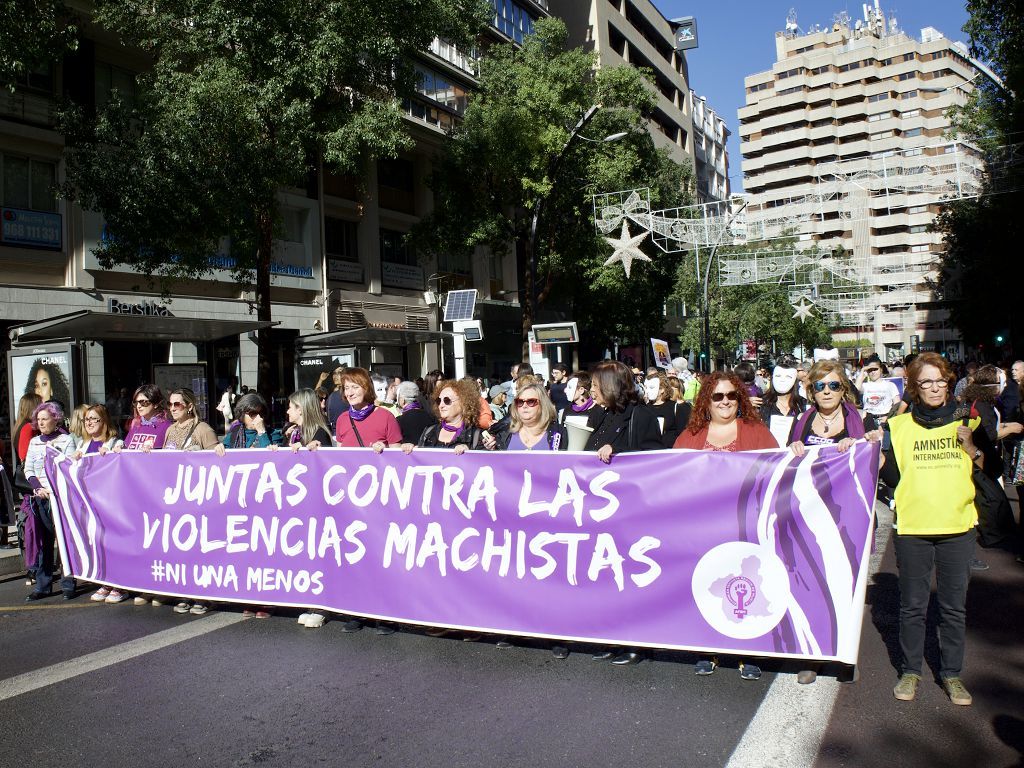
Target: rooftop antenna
[{"x": 791, "y": 27}]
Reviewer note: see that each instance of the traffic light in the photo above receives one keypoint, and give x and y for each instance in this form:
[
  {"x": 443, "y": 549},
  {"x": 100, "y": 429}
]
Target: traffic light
[{"x": 999, "y": 338}]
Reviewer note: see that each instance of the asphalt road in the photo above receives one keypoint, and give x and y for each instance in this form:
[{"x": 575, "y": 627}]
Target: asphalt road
[{"x": 84, "y": 684}]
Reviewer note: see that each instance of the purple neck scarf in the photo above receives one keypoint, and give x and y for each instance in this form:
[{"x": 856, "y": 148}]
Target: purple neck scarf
[
  {"x": 457, "y": 430},
  {"x": 410, "y": 407},
  {"x": 360, "y": 414},
  {"x": 296, "y": 436},
  {"x": 585, "y": 407}
]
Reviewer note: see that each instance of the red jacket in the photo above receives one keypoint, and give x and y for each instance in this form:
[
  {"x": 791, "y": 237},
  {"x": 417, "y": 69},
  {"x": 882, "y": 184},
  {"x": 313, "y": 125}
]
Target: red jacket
[{"x": 749, "y": 437}]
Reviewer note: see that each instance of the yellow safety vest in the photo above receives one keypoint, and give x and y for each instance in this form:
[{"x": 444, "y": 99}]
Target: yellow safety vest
[{"x": 935, "y": 494}]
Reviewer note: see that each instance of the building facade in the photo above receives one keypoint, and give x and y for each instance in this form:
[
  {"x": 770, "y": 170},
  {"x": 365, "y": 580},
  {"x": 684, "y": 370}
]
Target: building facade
[
  {"x": 710, "y": 151},
  {"x": 343, "y": 276},
  {"x": 845, "y": 136}
]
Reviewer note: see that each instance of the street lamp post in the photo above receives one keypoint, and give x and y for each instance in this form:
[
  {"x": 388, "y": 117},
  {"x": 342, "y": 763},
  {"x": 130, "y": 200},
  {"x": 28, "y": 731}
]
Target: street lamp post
[
  {"x": 706, "y": 330},
  {"x": 531, "y": 293}
]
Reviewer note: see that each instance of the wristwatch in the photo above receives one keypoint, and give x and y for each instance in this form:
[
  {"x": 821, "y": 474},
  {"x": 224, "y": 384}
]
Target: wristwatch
[{"x": 977, "y": 453}]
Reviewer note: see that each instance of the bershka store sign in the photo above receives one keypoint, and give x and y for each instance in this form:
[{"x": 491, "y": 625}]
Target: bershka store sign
[{"x": 151, "y": 308}]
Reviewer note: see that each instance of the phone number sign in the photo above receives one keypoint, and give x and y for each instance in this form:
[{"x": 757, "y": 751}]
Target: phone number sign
[{"x": 32, "y": 228}]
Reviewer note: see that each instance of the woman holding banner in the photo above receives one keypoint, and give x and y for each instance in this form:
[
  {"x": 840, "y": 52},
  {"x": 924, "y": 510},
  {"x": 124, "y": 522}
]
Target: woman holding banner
[
  {"x": 933, "y": 451},
  {"x": 724, "y": 419},
  {"x": 532, "y": 426},
  {"x": 150, "y": 424},
  {"x": 832, "y": 417},
  {"x": 457, "y": 406},
  {"x": 47, "y": 419},
  {"x": 188, "y": 432},
  {"x": 364, "y": 424},
  {"x": 620, "y": 425}
]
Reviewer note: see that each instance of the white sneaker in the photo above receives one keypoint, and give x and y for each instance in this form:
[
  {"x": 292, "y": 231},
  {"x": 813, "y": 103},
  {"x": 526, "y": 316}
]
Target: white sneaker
[
  {"x": 303, "y": 618},
  {"x": 116, "y": 596},
  {"x": 100, "y": 594},
  {"x": 315, "y": 620},
  {"x": 183, "y": 607},
  {"x": 140, "y": 600}
]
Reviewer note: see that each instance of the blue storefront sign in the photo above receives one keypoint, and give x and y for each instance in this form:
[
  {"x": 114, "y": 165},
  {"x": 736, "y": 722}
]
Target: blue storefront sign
[{"x": 32, "y": 228}]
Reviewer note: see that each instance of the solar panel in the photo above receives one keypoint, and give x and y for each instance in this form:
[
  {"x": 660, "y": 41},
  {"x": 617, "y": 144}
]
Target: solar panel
[{"x": 460, "y": 305}]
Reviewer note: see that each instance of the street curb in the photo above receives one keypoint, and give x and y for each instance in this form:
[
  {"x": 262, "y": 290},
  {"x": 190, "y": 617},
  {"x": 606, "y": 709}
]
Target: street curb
[{"x": 11, "y": 563}]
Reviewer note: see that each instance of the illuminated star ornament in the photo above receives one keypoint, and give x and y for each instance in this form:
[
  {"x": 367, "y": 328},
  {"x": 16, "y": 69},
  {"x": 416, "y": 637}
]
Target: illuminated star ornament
[
  {"x": 626, "y": 248},
  {"x": 803, "y": 310}
]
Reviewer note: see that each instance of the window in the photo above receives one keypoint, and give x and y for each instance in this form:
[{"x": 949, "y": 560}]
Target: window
[
  {"x": 918, "y": 209},
  {"x": 37, "y": 79},
  {"x": 394, "y": 249},
  {"x": 878, "y": 116},
  {"x": 440, "y": 89},
  {"x": 917, "y": 228},
  {"x": 395, "y": 185},
  {"x": 881, "y": 135},
  {"x": 905, "y": 76},
  {"x": 512, "y": 20},
  {"x": 787, "y": 91},
  {"x": 911, "y": 133},
  {"x": 911, "y": 113},
  {"x": 109, "y": 79},
  {"x": 28, "y": 183},
  {"x": 878, "y": 97},
  {"x": 340, "y": 239},
  {"x": 909, "y": 94}
]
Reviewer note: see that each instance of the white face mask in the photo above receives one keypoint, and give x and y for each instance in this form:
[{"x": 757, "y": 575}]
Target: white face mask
[
  {"x": 570, "y": 389},
  {"x": 381, "y": 391},
  {"x": 783, "y": 379},
  {"x": 651, "y": 388}
]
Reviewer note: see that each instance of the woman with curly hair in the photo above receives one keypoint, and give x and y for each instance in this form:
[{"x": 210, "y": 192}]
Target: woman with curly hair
[
  {"x": 724, "y": 419},
  {"x": 47, "y": 380},
  {"x": 456, "y": 404}
]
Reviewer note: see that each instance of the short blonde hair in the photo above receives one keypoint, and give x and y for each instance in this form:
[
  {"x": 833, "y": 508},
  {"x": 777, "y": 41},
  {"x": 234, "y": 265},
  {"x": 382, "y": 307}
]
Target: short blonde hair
[
  {"x": 547, "y": 408},
  {"x": 823, "y": 368}
]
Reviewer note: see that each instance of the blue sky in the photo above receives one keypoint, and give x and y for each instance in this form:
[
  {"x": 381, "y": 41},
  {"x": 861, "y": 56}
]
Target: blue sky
[{"x": 737, "y": 38}]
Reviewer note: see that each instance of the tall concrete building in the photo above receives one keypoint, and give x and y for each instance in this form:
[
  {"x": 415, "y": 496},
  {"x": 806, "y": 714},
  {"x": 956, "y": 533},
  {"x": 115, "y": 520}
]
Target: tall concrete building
[
  {"x": 633, "y": 32},
  {"x": 710, "y": 151},
  {"x": 845, "y": 136}
]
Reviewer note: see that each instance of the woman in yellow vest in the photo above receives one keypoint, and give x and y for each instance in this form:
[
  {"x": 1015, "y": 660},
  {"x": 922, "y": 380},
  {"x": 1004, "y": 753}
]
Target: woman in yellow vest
[{"x": 934, "y": 448}]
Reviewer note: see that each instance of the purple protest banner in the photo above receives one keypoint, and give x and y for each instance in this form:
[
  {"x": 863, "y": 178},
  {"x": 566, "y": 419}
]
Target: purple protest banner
[{"x": 759, "y": 553}]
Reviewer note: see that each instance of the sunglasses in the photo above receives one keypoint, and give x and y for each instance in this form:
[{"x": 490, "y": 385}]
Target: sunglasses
[
  {"x": 176, "y": 404},
  {"x": 835, "y": 386},
  {"x": 142, "y": 402},
  {"x": 718, "y": 397},
  {"x": 91, "y": 419},
  {"x": 445, "y": 400},
  {"x": 529, "y": 402},
  {"x": 252, "y": 413}
]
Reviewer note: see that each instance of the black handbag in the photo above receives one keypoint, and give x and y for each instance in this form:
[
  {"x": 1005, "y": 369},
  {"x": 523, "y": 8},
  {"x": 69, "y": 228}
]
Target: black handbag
[
  {"x": 995, "y": 518},
  {"x": 21, "y": 483}
]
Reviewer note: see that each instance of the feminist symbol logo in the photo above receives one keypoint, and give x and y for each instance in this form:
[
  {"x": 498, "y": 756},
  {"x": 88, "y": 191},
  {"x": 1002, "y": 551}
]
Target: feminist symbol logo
[{"x": 740, "y": 591}]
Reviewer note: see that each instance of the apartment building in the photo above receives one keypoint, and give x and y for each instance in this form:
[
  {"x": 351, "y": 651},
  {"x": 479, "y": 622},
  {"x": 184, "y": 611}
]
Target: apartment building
[
  {"x": 710, "y": 152},
  {"x": 845, "y": 136},
  {"x": 634, "y": 32},
  {"x": 346, "y": 285}
]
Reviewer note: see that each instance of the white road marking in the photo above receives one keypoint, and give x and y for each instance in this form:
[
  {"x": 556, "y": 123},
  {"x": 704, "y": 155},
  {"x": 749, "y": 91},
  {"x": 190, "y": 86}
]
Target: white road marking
[
  {"x": 65, "y": 670},
  {"x": 787, "y": 729}
]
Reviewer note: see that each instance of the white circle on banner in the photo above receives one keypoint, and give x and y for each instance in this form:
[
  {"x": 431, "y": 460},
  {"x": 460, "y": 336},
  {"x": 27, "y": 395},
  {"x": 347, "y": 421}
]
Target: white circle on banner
[{"x": 741, "y": 589}]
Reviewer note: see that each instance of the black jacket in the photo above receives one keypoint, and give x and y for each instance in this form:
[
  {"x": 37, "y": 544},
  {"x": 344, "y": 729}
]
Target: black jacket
[
  {"x": 470, "y": 436},
  {"x": 413, "y": 422},
  {"x": 634, "y": 429}
]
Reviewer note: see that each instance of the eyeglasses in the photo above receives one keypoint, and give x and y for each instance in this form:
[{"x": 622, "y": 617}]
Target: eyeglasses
[
  {"x": 718, "y": 397},
  {"x": 142, "y": 403},
  {"x": 932, "y": 383},
  {"x": 91, "y": 419},
  {"x": 529, "y": 402},
  {"x": 176, "y": 404},
  {"x": 445, "y": 400},
  {"x": 835, "y": 386}
]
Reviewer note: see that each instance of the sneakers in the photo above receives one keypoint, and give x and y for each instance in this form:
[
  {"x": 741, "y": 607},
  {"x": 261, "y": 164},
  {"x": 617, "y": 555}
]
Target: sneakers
[
  {"x": 100, "y": 594},
  {"x": 198, "y": 609},
  {"x": 315, "y": 620},
  {"x": 115, "y": 596},
  {"x": 956, "y": 691},
  {"x": 906, "y": 688},
  {"x": 750, "y": 671},
  {"x": 978, "y": 565},
  {"x": 183, "y": 607},
  {"x": 140, "y": 600}
]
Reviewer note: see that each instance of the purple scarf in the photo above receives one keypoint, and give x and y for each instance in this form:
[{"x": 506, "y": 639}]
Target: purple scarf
[
  {"x": 585, "y": 407},
  {"x": 410, "y": 407},
  {"x": 360, "y": 414},
  {"x": 457, "y": 430}
]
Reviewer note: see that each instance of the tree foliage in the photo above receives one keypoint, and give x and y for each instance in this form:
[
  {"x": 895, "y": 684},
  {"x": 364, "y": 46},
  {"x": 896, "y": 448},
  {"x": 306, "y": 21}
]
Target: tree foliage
[
  {"x": 31, "y": 34},
  {"x": 761, "y": 312},
  {"x": 512, "y": 152},
  {"x": 983, "y": 234},
  {"x": 243, "y": 99}
]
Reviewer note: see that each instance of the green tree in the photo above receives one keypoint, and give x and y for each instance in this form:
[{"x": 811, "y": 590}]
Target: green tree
[
  {"x": 758, "y": 312},
  {"x": 243, "y": 99},
  {"x": 31, "y": 34},
  {"x": 513, "y": 156},
  {"x": 982, "y": 234}
]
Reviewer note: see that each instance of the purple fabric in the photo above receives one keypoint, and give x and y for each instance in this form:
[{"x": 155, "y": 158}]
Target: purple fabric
[
  {"x": 360, "y": 414},
  {"x": 852, "y": 419},
  {"x": 31, "y": 537},
  {"x": 761, "y": 552}
]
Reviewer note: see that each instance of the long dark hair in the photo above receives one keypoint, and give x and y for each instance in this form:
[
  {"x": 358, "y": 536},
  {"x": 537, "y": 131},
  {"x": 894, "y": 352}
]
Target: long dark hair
[{"x": 60, "y": 389}]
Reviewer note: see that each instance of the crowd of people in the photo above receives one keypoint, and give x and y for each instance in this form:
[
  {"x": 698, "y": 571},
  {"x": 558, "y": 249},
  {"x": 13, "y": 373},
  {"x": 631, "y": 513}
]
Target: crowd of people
[{"x": 609, "y": 410}]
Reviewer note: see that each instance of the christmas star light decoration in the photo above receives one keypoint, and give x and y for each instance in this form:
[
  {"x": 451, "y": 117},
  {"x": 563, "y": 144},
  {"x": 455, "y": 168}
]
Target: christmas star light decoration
[
  {"x": 626, "y": 248},
  {"x": 803, "y": 310}
]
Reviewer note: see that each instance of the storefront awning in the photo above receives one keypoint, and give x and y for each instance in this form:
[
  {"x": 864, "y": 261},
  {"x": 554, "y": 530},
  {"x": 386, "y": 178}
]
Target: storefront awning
[
  {"x": 105, "y": 326},
  {"x": 374, "y": 337}
]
